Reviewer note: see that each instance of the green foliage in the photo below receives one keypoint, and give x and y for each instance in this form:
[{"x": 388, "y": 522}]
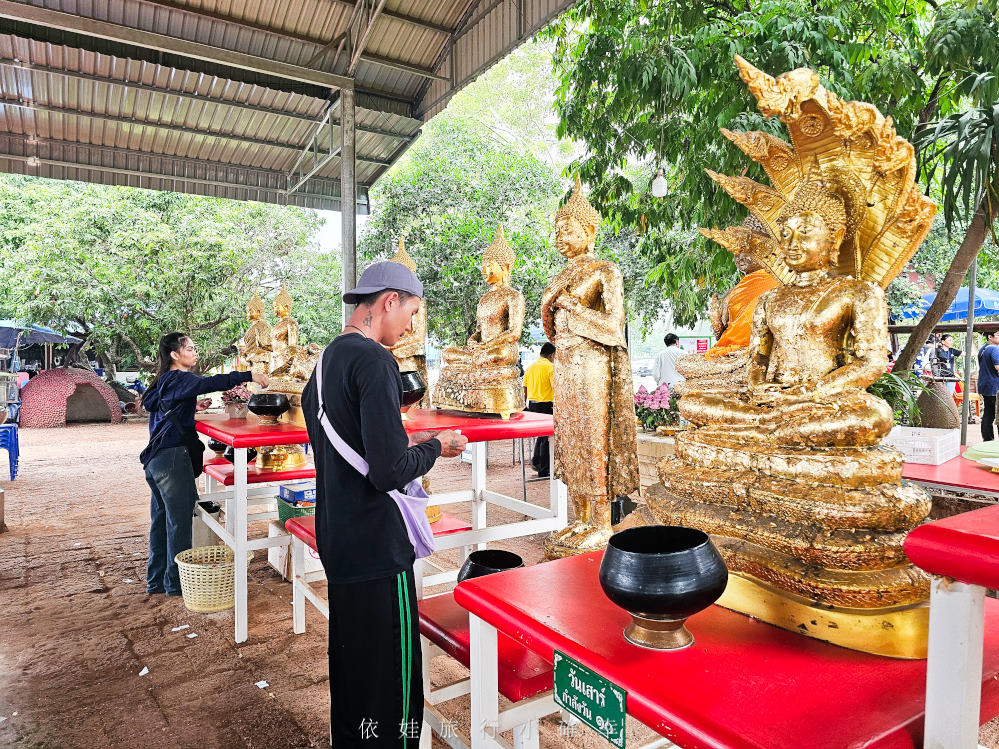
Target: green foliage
[
  {"x": 900, "y": 391},
  {"x": 645, "y": 85},
  {"x": 122, "y": 266},
  {"x": 446, "y": 200}
]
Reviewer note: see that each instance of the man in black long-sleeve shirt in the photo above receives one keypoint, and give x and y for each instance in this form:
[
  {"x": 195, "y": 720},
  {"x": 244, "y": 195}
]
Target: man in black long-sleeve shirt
[{"x": 376, "y": 689}]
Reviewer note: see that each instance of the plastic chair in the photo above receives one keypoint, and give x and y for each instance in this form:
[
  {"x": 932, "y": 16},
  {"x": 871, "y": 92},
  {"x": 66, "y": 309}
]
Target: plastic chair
[{"x": 8, "y": 442}]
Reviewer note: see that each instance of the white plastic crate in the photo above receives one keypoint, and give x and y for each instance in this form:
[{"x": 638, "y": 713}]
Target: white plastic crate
[{"x": 922, "y": 445}]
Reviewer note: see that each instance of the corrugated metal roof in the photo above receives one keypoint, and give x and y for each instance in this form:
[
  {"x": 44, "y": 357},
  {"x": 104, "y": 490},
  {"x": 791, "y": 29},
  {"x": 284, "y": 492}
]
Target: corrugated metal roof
[{"x": 101, "y": 103}]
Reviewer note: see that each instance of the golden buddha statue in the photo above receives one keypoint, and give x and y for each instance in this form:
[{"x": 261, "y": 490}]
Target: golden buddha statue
[
  {"x": 482, "y": 376},
  {"x": 785, "y": 471},
  {"x": 583, "y": 314},
  {"x": 731, "y": 320},
  {"x": 255, "y": 348},
  {"x": 411, "y": 350},
  {"x": 291, "y": 368}
]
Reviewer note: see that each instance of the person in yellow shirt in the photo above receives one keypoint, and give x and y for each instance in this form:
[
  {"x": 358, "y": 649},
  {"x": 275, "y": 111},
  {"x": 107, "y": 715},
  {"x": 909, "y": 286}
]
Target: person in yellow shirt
[{"x": 538, "y": 388}]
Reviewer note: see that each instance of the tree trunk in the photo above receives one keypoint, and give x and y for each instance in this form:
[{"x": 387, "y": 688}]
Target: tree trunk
[{"x": 971, "y": 245}]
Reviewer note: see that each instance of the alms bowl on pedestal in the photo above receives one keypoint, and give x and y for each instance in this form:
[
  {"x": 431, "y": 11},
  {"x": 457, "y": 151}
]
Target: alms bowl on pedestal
[
  {"x": 413, "y": 388},
  {"x": 662, "y": 574},
  {"x": 268, "y": 406}
]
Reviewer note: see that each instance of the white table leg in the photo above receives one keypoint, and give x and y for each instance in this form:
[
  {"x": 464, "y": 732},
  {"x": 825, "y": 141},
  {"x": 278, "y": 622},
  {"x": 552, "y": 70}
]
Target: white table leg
[
  {"x": 479, "y": 460},
  {"x": 484, "y": 665},
  {"x": 954, "y": 664},
  {"x": 297, "y": 581},
  {"x": 237, "y": 518},
  {"x": 418, "y": 578}
]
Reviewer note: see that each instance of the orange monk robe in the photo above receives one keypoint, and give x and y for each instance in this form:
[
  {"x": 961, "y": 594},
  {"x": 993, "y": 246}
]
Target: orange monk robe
[{"x": 741, "y": 304}]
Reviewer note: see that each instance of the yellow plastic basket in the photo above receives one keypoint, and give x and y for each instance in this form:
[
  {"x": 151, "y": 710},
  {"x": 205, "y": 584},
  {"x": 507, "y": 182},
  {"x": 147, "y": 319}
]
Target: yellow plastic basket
[{"x": 206, "y": 578}]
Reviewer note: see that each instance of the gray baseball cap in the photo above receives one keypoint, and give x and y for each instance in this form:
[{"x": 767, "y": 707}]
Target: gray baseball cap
[{"x": 384, "y": 275}]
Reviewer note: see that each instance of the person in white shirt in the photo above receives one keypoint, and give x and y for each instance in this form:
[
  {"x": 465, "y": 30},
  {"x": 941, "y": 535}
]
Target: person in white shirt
[{"x": 664, "y": 370}]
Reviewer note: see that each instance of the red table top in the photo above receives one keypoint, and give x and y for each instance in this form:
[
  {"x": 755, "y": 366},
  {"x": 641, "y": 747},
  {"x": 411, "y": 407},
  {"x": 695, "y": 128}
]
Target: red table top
[
  {"x": 742, "y": 684},
  {"x": 223, "y": 473},
  {"x": 965, "y": 547},
  {"x": 483, "y": 429},
  {"x": 249, "y": 432},
  {"x": 956, "y": 472}
]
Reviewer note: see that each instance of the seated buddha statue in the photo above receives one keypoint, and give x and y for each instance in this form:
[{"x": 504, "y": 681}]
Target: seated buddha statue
[
  {"x": 291, "y": 368},
  {"x": 255, "y": 348},
  {"x": 731, "y": 320},
  {"x": 785, "y": 470},
  {"x": 482, "y": 375},
  {"x": 410, "y": 351},
  {"x": 595, "y": 449}
]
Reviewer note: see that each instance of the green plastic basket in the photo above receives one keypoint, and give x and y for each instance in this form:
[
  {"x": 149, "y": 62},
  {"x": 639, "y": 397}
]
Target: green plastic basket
[{"x": 288, "y": 511}]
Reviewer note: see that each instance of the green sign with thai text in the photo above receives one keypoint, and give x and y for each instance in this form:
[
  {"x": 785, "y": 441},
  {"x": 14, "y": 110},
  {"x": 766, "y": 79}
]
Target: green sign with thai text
[{"x": 591, "y": 698}]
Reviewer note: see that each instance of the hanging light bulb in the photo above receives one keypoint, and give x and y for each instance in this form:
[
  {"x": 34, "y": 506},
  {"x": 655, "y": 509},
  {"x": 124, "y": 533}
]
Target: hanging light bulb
[{"x": 659, "y": 186}]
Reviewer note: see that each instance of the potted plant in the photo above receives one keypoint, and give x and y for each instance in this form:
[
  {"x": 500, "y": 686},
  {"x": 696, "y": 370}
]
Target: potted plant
[
  {"x": 657, "y": 411},
  {"x": 235, "y": 401}
]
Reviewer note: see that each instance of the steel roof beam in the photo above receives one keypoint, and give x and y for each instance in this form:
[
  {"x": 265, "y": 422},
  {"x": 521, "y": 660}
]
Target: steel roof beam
[
  {"x": 19, "y": 11},
  {"x": 170, "y": 128},
  {"x": 279, "y": 178},
  {"x": 187, "y": 95}
]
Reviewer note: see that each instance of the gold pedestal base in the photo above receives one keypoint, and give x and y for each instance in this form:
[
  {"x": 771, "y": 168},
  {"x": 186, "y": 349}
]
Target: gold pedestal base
[
  {"x": 434, "y": 513},
  {"x": 658, "y": 634},
  {"x": 281, "y": 458},
  {"x": 895, "y": 632}
]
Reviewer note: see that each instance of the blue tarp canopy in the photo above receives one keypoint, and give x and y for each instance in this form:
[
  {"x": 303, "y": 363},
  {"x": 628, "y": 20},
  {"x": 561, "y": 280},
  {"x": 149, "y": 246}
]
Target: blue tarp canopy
[
  {"x": 13, "y": 335},
  {"x": 986, "y": 303}
]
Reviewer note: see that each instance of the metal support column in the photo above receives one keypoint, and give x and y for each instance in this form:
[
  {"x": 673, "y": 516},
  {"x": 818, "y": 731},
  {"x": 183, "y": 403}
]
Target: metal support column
[{"x": 348, "y": 195}]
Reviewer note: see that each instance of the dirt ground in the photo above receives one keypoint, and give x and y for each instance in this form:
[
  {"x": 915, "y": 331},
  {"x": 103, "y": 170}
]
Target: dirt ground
[{"x": 77, "y": 629}]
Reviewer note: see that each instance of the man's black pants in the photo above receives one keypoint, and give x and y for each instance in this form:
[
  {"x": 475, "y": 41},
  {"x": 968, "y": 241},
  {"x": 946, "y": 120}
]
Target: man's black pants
[
  {"x": 988, "y": 416},
  {"x": 376, "y": 664},
  {"x": 541, "y": 460}
]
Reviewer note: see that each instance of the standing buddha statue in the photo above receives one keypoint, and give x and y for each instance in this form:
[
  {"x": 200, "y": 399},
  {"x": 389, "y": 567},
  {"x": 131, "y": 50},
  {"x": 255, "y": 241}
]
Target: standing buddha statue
[
  {"x": 411, "y": 350},
  {"x": 785, "y": 470},
  {"x": 255, "y": 349},
  {"x": 583, "y": 314},
  {"x": 482, "y": 376}
]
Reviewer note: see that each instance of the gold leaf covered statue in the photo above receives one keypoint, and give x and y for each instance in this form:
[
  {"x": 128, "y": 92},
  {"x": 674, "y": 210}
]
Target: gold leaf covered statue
[
  {"x": 583, "y": 314},
  {"x": 411, "y": 350},
  {"x": 291, "y": 368},
  {"x": 785, "y": 471},
  {"x": 256, "y": 346},
  {"x": 482, "y": 376}
]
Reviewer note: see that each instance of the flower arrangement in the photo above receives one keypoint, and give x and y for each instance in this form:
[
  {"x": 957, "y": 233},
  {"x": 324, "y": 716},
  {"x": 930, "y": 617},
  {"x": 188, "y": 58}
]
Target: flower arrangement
[
  {"x": 238, "y": 394},
  {"x": 658, "y": 408}
]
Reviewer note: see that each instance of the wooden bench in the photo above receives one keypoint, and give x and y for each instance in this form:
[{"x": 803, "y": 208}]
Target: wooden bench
[{"x": 524, "y": 677}]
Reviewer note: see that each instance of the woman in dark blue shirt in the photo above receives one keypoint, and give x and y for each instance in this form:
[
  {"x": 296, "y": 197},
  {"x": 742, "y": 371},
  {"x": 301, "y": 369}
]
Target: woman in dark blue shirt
[{"x": 168, "y": 470}]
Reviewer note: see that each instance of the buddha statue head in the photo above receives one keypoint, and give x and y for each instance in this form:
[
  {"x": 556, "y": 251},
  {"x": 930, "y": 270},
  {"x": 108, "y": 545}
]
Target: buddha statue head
[
  {"x": 402, "y": 257},
  {"x": 282, "y": 303},
  {"x": 255, "y": 308},
  {"x": 576, "y": 225},
  {"x": 497, "y": 260}
]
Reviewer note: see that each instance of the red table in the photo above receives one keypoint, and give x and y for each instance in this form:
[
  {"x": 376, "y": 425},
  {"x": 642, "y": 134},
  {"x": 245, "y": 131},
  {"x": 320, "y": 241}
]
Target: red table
[
  {"x": 249, "y": 432},
  {"x": 742, "y": 684},
  {"x": 962, "y": 554},
  {"x": 956, "y": 475},
  {"x": 241, "y": 434}
]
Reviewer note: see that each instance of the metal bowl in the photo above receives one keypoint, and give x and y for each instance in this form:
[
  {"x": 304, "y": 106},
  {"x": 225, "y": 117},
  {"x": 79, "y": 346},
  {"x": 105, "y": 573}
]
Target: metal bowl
[
  {"x": 661, "y": 575},
  {"x": 488, "y": 561},
  {"x": 413, "y": 388},
  {"x": 269, "y": 406},
  {"x": 216, "y": 446},
  {"x": 230, "y": 454}
]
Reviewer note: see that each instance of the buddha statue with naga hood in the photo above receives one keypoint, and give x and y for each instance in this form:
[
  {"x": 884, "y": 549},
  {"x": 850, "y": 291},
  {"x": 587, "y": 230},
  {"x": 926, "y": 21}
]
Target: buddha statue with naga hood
[{"x": 785, "y": 470}]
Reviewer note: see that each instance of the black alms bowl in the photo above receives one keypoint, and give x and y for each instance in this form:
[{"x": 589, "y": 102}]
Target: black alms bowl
[
  {"x": 413, "y": 388},
  {"x": 216, "y": 446},
  {"x": 662, "y": 574},
  {"x": 488, "y": 561},
  {"x": 269, "y": 405},
  {"x": 230, "y": 454}
]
